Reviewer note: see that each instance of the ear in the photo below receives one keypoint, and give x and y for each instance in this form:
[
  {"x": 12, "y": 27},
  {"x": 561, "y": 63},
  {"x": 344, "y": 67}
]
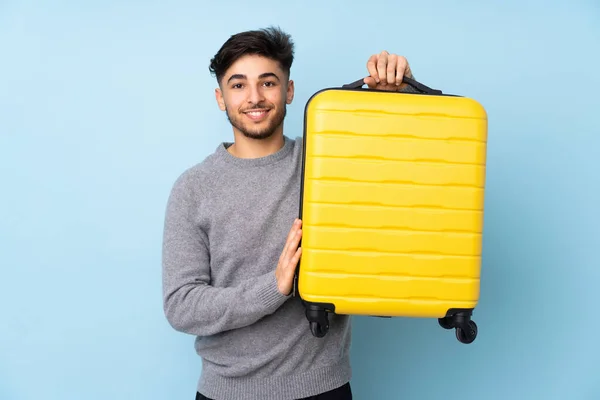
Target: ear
[
  {"x": 219, "y": 98},
  {"x": 290, "y": 92}
]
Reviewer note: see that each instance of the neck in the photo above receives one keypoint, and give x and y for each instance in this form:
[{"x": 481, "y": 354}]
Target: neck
[{"x": 244, "y": 147}]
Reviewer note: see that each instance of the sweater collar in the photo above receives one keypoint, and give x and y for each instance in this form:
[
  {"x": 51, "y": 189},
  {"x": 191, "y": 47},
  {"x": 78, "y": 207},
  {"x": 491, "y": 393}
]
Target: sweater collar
[{"x": 224, "y": 155}]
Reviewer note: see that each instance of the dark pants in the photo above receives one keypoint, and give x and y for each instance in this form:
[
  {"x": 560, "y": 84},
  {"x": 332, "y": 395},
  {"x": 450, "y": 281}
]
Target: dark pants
[{"x": 341, "y": 393}]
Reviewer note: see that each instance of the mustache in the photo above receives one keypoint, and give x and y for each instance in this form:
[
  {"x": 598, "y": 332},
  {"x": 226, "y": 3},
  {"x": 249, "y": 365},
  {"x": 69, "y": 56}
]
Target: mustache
[{"x": 260, "y": 105}]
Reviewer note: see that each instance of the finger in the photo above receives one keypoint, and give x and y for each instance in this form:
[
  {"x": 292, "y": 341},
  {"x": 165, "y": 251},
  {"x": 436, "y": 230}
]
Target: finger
[
  {"x": 293, "y": 246},
  {"x": 401, "y": 69},
  {"x": 293, "y": 262},
  {"x": 370, "y": 82},
  {"x": 372, "y": 68},
  {"x": 290, "y": 236},
  {"x": 381, "y": 66},
  {"x": 391, "y": 69}
]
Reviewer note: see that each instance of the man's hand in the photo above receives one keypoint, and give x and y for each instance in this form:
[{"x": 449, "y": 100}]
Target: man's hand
[
  {"x": 289, "y": 259},
  {"x": 386, "y": 71}
]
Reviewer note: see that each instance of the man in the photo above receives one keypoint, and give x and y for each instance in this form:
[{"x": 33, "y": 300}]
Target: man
[{"x": 231, "y": 238}]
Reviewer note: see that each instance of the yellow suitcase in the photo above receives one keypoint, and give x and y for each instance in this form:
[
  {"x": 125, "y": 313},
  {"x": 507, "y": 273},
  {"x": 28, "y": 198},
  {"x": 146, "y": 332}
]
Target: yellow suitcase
[{"x": 392, "y": 206}]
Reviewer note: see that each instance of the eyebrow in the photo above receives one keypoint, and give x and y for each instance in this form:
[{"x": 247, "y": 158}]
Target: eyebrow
[{"x": 261, "y": 76}]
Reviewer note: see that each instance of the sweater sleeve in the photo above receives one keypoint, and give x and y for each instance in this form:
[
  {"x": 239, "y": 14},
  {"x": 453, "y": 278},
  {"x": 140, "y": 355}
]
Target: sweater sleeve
[{"x": 191, "y": 304}]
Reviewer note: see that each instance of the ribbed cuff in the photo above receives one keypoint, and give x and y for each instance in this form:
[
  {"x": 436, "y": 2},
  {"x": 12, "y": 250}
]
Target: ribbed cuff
[{"x": 270, "y": 295}]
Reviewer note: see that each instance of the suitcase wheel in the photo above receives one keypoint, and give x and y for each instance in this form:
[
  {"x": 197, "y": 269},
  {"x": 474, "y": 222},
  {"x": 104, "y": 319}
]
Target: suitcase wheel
[
  {"x": 446, "y": 323},
  {"x": 318, "y": 320},
  {"x": 318, "y": 330},
  {"x": 466, "y": 329},
  {"x": 468, "y": 334}
]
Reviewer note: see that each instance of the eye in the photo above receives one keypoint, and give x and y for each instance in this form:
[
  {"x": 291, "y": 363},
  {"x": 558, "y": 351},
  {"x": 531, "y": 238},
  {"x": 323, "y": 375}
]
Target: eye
[
  {"x": 269, "y": 83},
  {"x": 237, "y": 86}
]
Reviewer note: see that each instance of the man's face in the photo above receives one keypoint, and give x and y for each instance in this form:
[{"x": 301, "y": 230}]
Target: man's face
[{"x": 254, "y": 92}]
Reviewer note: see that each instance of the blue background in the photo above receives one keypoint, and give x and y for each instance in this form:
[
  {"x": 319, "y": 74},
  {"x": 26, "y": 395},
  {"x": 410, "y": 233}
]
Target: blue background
[{"x": 103, "y": 104}]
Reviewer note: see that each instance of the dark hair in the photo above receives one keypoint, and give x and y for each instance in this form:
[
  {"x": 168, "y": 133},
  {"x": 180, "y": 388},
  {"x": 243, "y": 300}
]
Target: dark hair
[{"x": 269, "y": 42}]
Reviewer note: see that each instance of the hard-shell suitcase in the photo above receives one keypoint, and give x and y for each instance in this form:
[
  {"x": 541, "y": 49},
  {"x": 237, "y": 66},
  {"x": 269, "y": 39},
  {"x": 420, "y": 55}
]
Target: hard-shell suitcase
[{"x": 392, "y": 206}]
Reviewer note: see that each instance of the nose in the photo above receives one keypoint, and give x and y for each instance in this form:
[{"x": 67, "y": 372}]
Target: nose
[{"x": 255, "y": 95}]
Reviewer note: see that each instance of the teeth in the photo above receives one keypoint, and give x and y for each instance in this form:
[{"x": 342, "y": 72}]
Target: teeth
[{"x": 256, "y": 113}]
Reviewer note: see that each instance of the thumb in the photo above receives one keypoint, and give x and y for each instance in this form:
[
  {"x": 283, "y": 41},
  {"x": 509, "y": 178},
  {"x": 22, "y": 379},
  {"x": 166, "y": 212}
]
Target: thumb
[{"x": 370, "y": 82}]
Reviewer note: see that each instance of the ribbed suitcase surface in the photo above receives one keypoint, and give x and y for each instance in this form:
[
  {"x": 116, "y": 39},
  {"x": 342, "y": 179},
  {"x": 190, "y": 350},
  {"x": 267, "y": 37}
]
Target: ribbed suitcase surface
[{"x": 392, "y": 202}]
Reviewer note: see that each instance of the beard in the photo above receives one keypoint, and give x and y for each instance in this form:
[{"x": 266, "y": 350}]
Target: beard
[{"x": 247, "y": 129}]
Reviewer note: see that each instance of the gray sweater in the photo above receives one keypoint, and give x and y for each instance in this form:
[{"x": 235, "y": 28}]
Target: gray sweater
[{"x": 226, "y": 223}]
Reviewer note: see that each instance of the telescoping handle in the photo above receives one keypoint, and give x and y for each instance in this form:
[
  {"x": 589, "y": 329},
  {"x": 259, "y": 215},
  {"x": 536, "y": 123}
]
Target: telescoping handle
[{"x": 417, "y": 85}]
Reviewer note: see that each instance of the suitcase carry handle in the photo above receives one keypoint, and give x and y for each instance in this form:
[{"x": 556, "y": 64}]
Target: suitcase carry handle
[{"x": 417, "y": 85}]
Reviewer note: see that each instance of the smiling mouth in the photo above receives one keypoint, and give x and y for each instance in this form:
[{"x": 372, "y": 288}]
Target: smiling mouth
[{"x": 257, "y": 114}]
